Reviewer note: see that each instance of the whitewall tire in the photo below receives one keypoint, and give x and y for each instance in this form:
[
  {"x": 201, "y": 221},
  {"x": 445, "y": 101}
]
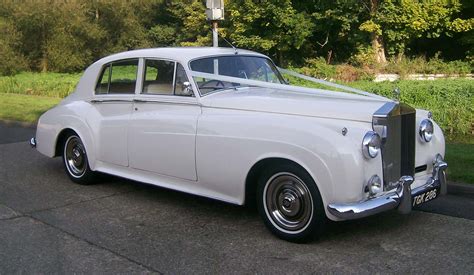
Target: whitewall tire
[
  {"x": 290, "y": 203},
  {"x": 75, "y": 160}
]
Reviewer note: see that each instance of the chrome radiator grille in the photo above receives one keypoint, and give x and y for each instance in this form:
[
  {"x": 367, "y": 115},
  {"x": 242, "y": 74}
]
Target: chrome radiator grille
[{"x": 395, "y": 123}]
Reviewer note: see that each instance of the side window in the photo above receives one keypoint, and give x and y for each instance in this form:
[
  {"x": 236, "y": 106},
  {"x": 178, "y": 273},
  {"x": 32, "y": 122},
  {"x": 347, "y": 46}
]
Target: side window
[
  {"x": 123, "y": 77},
  {"x": 182, "y": 87},
  {"x": 118, "y": 78},
  {"x": 158, "y": 77}
]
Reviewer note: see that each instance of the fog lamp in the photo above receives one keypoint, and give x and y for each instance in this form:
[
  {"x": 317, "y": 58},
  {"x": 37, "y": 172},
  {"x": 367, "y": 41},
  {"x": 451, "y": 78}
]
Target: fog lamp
[{"x": 374, "y": 185}]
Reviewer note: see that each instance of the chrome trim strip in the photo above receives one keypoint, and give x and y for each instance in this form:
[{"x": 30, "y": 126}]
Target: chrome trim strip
[
  {"x": 401, "y": 197},
  {"x": 109, "y": 100},
  {"x": 168, "y": 100}
]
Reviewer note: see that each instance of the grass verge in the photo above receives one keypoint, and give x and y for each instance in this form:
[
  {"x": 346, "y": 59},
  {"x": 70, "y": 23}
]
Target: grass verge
[
  {"x": 460, "y": 159},
  {"x": 25, "y": 107},
  {"x": 41, "y": 84}
]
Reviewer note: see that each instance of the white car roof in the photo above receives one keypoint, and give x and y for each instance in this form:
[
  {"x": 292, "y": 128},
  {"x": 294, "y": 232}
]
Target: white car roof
[{"x": 181, "y": 54}]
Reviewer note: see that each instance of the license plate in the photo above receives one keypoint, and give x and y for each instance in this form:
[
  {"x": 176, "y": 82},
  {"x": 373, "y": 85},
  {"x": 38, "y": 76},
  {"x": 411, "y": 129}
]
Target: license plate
[{"x": 425, "y": 196}]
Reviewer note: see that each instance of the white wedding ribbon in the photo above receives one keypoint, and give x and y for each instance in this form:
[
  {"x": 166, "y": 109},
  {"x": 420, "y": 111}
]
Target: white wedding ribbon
[{"x": 325, "y": 93}]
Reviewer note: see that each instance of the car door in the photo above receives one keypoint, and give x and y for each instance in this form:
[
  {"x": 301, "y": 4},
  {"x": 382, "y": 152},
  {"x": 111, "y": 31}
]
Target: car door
[
  {"x": 113, "y": 101},
  {"x": 162, "y": 130}
]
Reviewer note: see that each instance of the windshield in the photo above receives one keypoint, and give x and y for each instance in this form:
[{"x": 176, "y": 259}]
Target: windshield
[{"x": 247, "y": 67}]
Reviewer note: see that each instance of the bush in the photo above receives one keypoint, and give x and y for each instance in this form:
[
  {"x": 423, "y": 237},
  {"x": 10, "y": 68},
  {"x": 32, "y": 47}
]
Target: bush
[
  {"x": 317, "y": 67},
  {"x": 11, "y": 62},
  {"x": 365, "y": 58},
  {"x": 348, "y": 73},
  {"x": 435, "y": 65}
]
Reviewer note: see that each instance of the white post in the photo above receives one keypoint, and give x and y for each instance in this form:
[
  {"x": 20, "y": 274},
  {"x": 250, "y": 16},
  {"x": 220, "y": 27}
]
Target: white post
[{"x": 215, "y": 37}]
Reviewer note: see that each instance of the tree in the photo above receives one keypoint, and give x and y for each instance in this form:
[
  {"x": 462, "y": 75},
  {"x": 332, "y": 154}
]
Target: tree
[
  {"x": 397, "y": 22},
  {"x": 271, "y": 26},
  {"x": 12, "y": 60},
  {"x": 335, "y": 32}
]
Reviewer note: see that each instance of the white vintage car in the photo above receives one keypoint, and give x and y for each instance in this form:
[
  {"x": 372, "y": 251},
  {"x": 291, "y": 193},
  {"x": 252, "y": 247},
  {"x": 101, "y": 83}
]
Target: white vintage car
[{"x": 224, "y": 124}]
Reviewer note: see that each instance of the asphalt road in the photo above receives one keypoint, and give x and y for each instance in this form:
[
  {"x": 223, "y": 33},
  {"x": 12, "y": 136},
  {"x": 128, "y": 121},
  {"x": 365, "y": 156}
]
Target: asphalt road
[{"x": 50, "y": 225}]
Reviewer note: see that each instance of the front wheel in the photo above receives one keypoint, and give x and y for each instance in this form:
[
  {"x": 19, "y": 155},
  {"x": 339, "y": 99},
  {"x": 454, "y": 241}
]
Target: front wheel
[
  {"x": 290, "y": 203},
  {"x": 75, "y": 160}
]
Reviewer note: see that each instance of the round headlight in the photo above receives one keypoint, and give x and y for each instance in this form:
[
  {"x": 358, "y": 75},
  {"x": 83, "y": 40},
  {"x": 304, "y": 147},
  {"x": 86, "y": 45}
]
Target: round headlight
[
  {"x": 426, "y": 130},
  {"x": 371, "y": 144}
]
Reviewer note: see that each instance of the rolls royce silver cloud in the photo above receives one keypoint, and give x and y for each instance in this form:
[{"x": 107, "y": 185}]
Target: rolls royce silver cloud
[{"x": 223, "y": 123}]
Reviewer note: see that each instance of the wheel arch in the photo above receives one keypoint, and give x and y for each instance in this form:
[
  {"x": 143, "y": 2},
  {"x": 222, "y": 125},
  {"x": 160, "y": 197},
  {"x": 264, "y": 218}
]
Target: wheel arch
[
  {"x": 259, "y": 167},
  {"x": 85, "y": 137},
  {"x": 61, "y": 138}
]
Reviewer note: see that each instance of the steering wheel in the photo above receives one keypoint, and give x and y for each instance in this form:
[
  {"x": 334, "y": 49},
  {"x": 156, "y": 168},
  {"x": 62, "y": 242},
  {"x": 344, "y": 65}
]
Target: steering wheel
[{"x": 207, "y": 84}]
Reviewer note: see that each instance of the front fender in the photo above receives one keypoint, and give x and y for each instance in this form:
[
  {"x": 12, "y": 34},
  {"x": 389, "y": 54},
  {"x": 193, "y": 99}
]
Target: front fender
[{"x": 230, "y": 142}]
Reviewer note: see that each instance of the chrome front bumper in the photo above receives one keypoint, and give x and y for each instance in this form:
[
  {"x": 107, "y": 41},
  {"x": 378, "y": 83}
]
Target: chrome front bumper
[{"x": 400, "y": 198}]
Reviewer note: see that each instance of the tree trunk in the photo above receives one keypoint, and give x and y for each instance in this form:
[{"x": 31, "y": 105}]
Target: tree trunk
[
  {"x": 378, "y": 47},
  {"x": 280, "y": 58},
  {"x": 377, "y": 41},
  {"x": 44, "y": 64}
]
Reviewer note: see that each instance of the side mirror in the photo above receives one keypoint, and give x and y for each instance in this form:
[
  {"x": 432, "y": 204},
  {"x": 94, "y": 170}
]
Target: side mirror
[{"x": 187, "y": 89}]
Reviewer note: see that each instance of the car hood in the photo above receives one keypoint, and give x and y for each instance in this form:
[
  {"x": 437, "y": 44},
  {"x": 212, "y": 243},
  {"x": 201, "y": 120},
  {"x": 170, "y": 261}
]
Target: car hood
[{"x": 357, "y": 108}]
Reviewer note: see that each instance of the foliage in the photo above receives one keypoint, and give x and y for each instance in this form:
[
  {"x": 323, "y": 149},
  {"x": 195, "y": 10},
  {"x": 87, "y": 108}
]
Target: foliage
[
  {"x": 420, "y": 65},
  {"x": 364, "y": 57},
  {"x": 317, "y": 67},
  {"x": 274, "y": 27},
  {"x": 12, "y": 60},
  {"x": 67, "y": 36},
  {"x": 404, "y": 20}
]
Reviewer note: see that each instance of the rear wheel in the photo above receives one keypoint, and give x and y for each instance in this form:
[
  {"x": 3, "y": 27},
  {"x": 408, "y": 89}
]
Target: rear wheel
[
  {"x": 75, "y": 160},
  {"x": 290, "y": 204}
]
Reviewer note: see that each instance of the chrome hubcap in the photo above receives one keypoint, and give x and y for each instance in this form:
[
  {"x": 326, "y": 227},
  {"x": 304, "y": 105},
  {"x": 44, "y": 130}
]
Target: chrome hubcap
[
  {"x": 288, "y": 202},
  {"x": 75, "y": 156}
]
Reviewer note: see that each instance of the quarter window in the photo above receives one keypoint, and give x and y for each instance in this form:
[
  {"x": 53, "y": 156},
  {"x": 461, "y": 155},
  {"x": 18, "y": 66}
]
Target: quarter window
[
  {"x": 103, "y": 84},
  {"x": 118, "y": 78}
]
